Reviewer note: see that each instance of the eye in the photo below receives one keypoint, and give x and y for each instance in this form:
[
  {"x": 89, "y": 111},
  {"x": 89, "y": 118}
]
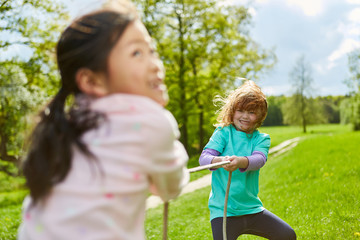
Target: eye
[
  {"x": 137, "y": 53},
  {"x": 154, "y": 52},
  {"x": 152, "y": 46}
]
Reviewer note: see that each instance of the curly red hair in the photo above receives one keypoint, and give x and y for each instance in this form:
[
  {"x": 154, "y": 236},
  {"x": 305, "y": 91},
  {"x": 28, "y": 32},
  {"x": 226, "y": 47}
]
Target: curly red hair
[{"x": 247, "y": 97}]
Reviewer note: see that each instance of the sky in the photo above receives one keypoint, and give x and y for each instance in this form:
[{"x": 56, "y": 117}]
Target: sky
[{"x": 324, "y": 31}]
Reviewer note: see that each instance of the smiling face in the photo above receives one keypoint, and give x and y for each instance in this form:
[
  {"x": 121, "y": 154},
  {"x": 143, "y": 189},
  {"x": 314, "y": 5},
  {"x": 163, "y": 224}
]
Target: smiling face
[
  {"x": 245, "y": 121},
  {"x": 134, "y": 67}
]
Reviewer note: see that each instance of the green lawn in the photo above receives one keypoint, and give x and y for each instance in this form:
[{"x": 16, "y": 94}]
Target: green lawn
[
  {"x": 279, "y": 134},
  {"x": 11, "y": 197},
  {"x": 314, "y": 187}
]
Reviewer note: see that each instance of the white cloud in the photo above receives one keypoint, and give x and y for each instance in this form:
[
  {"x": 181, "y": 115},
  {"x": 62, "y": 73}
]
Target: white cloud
[
  {"x": 350, "y": 31},
  {"x": 354, "y": 15},
  {"x": 346, "y": 46},
  {"x": 309, "y": 7},
  {"x": 350, "y": 27},
  {"x": 353, "y": 1}
]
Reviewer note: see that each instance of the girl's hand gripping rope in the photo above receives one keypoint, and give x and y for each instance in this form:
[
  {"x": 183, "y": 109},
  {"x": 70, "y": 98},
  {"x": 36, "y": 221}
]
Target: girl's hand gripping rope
[
  {"x": 208, "y": 166},
  {"x": 236, "y": 163}
]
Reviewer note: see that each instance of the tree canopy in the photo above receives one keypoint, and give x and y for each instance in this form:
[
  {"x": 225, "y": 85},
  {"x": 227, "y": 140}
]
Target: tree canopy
[
  {"x": 301, "y": 109},
  {"x": 26, "y": 80},
  {"x": 354, "y": 85},
  {"x": 205, "y": 46}
]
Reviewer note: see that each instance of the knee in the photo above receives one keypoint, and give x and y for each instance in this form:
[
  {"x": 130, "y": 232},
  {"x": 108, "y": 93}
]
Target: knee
[{"x": 287, "y": 234}]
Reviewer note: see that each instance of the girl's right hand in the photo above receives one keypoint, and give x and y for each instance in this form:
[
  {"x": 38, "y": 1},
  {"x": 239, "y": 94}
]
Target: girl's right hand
[
  {"x": 220, "y": 159},
  {"x": 235, "y": 163}
]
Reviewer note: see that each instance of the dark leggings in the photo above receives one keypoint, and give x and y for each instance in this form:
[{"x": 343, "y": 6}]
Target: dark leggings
[{"x": 264, "y": 224}]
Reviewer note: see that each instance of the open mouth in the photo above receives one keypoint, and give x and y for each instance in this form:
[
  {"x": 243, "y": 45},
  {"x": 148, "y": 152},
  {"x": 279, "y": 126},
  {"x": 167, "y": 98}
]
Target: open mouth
[
  {"x": 157, "y": 86},
  {"x": 244, "y": 122}
]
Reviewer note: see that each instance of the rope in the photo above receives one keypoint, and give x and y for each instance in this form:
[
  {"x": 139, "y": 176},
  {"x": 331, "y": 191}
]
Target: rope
[
  {"x": 165, "y": 222},
  {"x": 196, "y": 169},
  {"x": 225, "y": 206}
]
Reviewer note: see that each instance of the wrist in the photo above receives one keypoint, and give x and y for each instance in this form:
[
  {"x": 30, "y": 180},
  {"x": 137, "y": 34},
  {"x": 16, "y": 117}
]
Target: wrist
[
  {"x": 217, "y": 159},
  {"x": 245, "y": 162}
]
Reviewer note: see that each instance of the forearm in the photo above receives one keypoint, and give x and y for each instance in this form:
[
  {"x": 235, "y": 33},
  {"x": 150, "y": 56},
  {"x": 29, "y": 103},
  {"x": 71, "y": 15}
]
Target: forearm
[
  {"x": 218, "y": 159},
  {"x": 256, "y": 161},
  {"x": 207, "y": 156},
  {"x": 244, "y": 163}
]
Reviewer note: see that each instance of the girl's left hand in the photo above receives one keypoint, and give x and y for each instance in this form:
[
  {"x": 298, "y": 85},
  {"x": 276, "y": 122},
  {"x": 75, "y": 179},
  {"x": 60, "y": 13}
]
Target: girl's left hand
[{"x": 236, "y": 163}]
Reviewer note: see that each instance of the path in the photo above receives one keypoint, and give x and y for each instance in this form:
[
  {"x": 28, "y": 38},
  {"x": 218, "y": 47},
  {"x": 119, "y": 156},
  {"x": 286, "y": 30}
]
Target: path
[{"x": 154, "y": 201}]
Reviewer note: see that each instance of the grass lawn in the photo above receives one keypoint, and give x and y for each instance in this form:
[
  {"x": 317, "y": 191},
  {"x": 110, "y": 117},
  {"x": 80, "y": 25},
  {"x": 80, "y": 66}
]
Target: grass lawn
[
  {"x": 11, "y": 197},
  {"x": 314, "y": 187}
]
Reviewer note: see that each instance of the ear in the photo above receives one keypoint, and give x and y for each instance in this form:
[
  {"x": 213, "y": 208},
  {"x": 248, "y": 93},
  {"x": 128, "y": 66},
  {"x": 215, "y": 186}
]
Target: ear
[{"x": 91, "y": 83}]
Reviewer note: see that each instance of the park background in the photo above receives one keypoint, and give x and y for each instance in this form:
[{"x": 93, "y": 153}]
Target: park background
[{"x": 205, "y": 46}]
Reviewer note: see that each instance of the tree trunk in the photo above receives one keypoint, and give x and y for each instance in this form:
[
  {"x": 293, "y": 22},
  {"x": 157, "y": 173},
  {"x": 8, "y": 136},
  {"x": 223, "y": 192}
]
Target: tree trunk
[
  {"x": 201, "y": 128},
  {"x": 4, "y": 156},
  {"x": 356, "y": 113},
  {"x": 182, "y": 85}
]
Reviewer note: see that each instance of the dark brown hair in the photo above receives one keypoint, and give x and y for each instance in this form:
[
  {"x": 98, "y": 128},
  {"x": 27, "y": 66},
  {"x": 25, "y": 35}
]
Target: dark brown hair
[{"x": 86, "y": 43}]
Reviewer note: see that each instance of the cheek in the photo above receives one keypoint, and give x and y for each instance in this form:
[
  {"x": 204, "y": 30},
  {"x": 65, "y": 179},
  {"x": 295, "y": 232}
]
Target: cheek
[
  {"x": 254, "y": 119},
  {"x": 112, "y": 70},
  {"x": 234, "y": 117}
]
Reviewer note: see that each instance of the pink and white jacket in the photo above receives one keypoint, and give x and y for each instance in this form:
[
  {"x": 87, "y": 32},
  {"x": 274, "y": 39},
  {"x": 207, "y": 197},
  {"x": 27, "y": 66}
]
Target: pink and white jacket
[{"x": 138, "y": 150}]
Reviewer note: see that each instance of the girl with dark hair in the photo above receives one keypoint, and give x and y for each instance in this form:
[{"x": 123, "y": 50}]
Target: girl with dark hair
[
  {"x": 89, "y": 168},
  {"x": 236, "y": 139}
]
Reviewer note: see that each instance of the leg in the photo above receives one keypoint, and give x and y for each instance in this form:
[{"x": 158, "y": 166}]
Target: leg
[
  {"x": 270, "y": 226},
  {"x": 234, "y": 227}
]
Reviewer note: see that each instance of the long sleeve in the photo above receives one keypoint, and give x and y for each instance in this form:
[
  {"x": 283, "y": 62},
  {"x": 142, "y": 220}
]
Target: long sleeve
[
  {"x": 168, "y": 173},
  {"x": 256, "y": 161},
  {"x": 207, "y": 156}
]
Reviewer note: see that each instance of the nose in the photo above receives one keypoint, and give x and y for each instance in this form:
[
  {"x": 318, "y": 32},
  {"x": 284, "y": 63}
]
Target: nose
[
  {"x": 157, "y": 66},
  {"x": 246, "y": 114}
]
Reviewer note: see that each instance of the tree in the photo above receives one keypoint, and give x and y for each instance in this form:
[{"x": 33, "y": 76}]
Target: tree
[
  {"x": 17, "y": 98},
  {"x": 354, "y": 84},
  {"x": 331, "y": 107},
  {"x": 274, "y": 116},
  {"x": 301, "y": 109},
  {"x": 25, "y": 81},
  {"x": 204, "y": 48},
  {"x": 345, "y": 111}
]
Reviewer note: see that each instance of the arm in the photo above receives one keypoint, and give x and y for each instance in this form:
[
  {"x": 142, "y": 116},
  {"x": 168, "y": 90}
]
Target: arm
[
  {"x": 167, "y": 168},
  {"x": 209, "y": 156},
  {"x": 256, "y": 161},
  {"x": 248, "y": 163}
]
